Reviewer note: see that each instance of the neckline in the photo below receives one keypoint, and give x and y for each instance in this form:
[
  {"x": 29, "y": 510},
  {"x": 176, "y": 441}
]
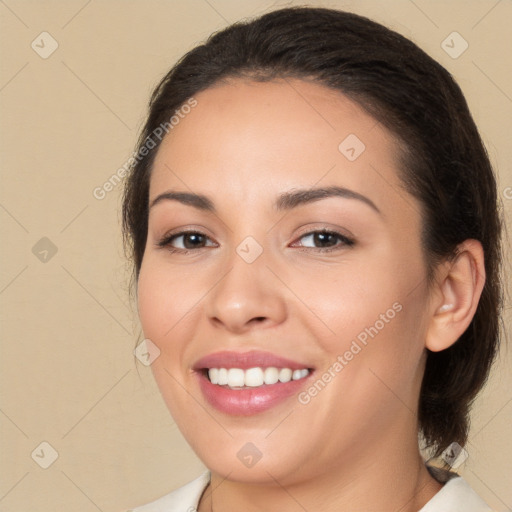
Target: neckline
[{"x": 441, "y": 475}]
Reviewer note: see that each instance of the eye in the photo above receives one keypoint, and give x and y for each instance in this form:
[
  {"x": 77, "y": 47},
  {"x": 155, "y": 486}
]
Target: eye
[
  {"x": 185, "y": 240},
  {"x": 328, "y": 240}
]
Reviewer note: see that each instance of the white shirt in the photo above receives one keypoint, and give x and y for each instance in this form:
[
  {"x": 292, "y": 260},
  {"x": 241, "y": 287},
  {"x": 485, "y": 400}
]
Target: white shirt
[{"x": 456, "y": 495}]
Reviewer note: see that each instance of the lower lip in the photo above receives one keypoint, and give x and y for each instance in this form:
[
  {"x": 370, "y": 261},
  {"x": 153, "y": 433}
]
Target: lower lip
[{"x": 248, "y": 401}]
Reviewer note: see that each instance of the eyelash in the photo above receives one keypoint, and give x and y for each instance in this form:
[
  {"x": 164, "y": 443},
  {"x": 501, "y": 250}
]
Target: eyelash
[{"x": 165, "y": 242}]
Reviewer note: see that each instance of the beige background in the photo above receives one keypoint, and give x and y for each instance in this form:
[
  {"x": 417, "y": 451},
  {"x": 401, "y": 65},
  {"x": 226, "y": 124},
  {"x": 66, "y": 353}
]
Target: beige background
[{"x": 68, "y": 374}]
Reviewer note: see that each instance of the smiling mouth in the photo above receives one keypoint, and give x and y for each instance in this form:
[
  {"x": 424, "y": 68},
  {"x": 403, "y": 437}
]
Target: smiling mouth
[{"x": 238, "y": 378}]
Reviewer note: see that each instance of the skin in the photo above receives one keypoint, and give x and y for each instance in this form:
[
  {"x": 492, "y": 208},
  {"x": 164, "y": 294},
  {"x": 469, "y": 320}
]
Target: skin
[{"x": 354, "y": 445}]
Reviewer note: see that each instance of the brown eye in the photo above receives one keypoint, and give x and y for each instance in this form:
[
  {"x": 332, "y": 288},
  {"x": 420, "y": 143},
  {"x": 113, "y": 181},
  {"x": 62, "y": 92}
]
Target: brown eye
[
  {"x": 184, "y": 241},
  {"x": 326, "y": 240}
]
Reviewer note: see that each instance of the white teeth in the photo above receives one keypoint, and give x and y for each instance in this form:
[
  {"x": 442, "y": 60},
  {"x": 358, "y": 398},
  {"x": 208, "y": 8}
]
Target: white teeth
[
  {"x": 271, "y": 375},
  {"x": 236, "y": 378},
  {"x": 297, "y": 374},
  {"x": 285, "y": 375},
  {"x": 223, "y": 377},
  {"x": 214, "y": 375},
  {"x": 254, "y": 377}
]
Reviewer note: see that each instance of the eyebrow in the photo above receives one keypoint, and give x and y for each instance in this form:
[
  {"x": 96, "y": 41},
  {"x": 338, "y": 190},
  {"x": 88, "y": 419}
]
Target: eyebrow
[{"x": 286, "y": 201}]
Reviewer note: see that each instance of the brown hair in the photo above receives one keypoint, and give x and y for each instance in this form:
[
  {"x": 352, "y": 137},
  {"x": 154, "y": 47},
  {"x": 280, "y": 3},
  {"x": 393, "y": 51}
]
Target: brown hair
[{"x": 444, "y": 165}]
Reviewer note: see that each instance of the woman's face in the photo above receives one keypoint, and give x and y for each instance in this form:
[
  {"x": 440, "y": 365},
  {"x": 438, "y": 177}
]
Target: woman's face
[{"x": 256, "y": 284}]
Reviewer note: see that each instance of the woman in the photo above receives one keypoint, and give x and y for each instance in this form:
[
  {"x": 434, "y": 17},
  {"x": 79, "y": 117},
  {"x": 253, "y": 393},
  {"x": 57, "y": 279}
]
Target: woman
[{"x": 313, "y": 224}]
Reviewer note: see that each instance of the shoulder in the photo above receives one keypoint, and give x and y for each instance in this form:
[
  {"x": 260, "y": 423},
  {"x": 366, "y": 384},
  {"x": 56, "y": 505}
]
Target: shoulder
[
  {"x": 183, "y": 499},
  {"x": 455, "y": 495}
]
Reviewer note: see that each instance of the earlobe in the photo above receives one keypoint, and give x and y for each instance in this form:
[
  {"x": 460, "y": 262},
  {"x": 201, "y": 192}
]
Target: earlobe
[{"x": 459, "y": 286}]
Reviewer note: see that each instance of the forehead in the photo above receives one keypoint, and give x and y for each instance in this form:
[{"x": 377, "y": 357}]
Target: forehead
[{"x": 249, "y": 138}]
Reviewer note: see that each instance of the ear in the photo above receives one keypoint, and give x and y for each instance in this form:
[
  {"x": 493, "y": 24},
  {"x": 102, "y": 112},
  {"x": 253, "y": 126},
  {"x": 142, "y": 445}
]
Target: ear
[{"x": 459, "y": 285}]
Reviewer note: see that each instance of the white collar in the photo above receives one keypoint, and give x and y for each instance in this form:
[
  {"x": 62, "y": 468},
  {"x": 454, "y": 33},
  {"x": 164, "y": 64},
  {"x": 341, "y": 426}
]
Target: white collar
[{"x": 455, "y": 495}]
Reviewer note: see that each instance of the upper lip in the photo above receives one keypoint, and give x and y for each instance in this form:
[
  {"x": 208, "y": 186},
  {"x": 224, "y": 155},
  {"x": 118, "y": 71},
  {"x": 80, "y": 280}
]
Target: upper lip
[{"x": 246, "y": 360}]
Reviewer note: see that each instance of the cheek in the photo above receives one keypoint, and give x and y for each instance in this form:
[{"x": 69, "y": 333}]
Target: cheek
[
  {"x": 371, "y": 314},
  {"x": 164, "y": 300},
  {"x": 347, "y": 300},
  {"x": 163, "y": 316},
  {"x": 151, "y": 302}
]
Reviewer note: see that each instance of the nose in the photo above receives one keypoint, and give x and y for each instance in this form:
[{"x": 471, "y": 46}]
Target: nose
[{"x": 247, "y": 296}]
